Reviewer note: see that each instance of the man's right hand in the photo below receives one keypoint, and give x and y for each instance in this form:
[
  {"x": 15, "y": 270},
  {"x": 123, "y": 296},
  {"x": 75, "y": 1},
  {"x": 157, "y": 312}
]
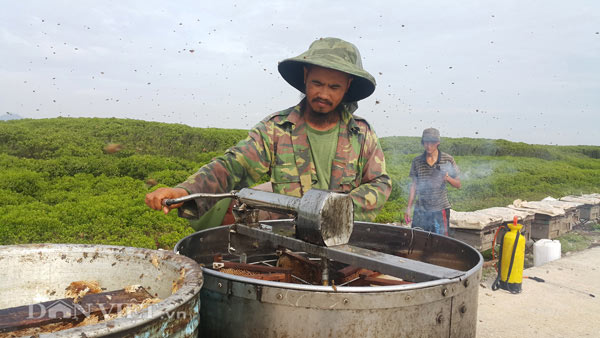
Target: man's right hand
[
  {"x": 155, "y": 198},
  {"x": 407, "y": 215}
]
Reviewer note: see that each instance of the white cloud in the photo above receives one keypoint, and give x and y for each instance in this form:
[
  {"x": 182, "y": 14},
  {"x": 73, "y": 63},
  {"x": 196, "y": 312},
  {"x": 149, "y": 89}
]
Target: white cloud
[
  {"x": 512, "y": 60},
  {"x": 9, "y": 38}
]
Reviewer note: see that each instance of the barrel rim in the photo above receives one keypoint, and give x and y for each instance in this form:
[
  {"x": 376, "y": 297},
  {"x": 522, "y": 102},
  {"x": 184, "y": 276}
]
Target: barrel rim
[
  {"x": 190, "y": 289},
  {"x": 341, "y": 289}
]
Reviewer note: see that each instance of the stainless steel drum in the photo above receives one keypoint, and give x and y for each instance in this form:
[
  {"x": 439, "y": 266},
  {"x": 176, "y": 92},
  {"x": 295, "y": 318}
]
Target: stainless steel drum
[
  {"x": 36, "y": 273},
  {"x": 441, "y": 301}
]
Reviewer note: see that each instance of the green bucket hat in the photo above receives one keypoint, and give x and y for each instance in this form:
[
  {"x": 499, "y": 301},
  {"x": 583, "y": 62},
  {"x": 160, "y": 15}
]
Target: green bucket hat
[{"x": 335, "y": 54}]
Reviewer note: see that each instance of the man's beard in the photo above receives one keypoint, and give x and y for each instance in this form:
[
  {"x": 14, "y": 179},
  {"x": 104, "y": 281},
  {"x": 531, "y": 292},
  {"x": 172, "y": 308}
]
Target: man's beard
[
  {"x": 319, "y": 115},
  {"x": 323, "y": 117}
]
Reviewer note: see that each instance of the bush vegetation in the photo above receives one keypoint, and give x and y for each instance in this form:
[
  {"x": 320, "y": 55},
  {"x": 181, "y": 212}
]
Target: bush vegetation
[
  {"x": 496, "y": 172},
  {"x": 83, "y": 180}
]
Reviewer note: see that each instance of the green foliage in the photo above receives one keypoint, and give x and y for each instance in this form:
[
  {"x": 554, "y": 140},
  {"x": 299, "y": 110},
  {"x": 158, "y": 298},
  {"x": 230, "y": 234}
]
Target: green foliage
[
  {"x": 140, "y": 166},
  {"x": 496, "y": 172},
  {"x": 62, "y": 186},
  {"x": 574, "y": 242},
  {"x": 24, "y": 182},
  {"x": 60, "y": 182},
  {"x": 170, "y": 177},
  {"x": 88, "y": 209},
  {"x": 390, "y": 213},
  {"x": 83, "y": 137},
  {"x": 484, "y": 147}
]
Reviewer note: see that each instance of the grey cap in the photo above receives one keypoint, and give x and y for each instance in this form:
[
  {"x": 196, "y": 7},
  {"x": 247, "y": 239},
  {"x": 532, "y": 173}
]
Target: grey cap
[
  {"x": 335, "y": 54},
  {"x": 430, "y": 135}
]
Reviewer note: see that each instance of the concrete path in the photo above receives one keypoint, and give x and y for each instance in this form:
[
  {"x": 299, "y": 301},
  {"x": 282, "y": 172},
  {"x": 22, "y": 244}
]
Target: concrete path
[{"x": 560, "y": 307}]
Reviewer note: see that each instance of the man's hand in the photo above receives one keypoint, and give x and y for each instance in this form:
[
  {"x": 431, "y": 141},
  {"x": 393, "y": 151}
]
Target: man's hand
[
  {"x": 155, "y": 198},
  {"x": 455, "y": 182},
  {"x": 407, "y": 215}
]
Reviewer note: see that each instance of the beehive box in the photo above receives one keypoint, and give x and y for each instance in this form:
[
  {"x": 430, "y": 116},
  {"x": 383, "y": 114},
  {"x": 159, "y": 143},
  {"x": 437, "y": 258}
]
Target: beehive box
[
  {"x": 481, "y": 239},
  {"x": 478, "y": 228},
  {"x": 546, "y": 226},
  {"x": 572, "y": 210},
  {"x": 474, "y": 228},
  {"x": 524, "y": 218},
  {"x": 589, "y": 210},
  {"x": 549, "y": 221}
]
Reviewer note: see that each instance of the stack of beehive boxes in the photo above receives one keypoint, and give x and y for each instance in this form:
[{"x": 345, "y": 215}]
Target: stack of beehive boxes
[
  {"x": 477, "y": 228},
  {"x": 589, "y": 210},
  {"x": 549, "y": 221}
]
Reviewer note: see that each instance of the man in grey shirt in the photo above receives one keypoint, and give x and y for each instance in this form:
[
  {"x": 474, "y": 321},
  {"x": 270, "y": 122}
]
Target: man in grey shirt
[{"x": 429, "y": 172}]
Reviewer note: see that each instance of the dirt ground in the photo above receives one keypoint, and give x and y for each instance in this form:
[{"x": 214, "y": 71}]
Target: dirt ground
[{"x": 567, "y": 304}]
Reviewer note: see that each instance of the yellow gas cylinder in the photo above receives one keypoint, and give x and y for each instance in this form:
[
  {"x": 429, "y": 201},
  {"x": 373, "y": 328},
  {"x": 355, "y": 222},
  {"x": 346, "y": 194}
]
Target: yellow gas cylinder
[{"x": 512, "y": 259}]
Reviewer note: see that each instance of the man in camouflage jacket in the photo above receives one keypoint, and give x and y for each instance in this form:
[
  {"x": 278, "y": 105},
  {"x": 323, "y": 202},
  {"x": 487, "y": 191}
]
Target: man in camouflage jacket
[{"x": 330, "y": 73}]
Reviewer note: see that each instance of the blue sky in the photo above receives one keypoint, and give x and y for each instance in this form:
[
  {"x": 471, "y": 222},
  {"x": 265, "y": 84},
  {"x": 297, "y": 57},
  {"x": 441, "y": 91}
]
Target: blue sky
[{"x": 522, "y": 71}]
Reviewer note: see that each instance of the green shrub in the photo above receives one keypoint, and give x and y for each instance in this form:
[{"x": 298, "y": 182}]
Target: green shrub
[
  {"x": 62, "y": 186},
  {"x": 24, "y": 182}
]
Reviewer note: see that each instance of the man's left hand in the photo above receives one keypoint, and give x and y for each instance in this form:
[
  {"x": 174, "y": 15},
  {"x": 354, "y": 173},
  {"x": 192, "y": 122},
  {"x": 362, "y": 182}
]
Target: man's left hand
[{"x": 455, "y": 182}]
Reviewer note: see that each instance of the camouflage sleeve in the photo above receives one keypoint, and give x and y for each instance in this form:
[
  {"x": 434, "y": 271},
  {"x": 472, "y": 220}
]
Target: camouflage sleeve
[
  {"x": 241, "y": 166},
  {"x": 376, "y": 186}
]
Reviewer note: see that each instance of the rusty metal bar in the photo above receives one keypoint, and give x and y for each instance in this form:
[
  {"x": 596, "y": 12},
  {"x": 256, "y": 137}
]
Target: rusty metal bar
[{"x": 407, "y": 269}]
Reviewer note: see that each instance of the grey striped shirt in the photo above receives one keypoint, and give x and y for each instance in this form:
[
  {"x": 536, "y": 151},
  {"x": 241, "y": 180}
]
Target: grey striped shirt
[{"x": 432, "y": 194}]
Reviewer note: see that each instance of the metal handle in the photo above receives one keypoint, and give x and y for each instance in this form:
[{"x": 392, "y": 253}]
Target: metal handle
[{"x": 171, "y": 201}]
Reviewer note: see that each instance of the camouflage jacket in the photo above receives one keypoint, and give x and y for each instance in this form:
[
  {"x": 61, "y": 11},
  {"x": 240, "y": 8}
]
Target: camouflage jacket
[{"x": 278, "y": 146}]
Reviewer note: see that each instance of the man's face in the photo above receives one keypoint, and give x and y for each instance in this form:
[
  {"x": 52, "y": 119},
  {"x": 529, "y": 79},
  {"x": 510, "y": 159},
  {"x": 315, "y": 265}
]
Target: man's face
[
  {"x": 430, "y": 147},
  {"x": 325, "y": 88}
]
